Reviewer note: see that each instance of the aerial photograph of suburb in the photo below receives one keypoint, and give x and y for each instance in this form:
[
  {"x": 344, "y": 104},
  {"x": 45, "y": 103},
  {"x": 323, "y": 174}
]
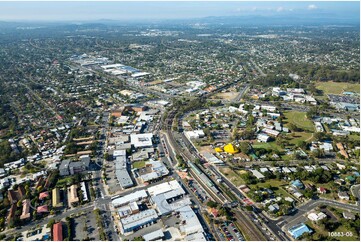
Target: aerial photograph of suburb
[{"x": 179, "y": 120}]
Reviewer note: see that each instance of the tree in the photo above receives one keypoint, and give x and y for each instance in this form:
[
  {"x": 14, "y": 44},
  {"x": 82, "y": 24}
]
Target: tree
[
  {"x": 247, "y": 134},
  {"x": 302, "y": 144},
  {"x": 50, "y": 223},
  {"x": 212, "y": 204},
  {"x": 318, "y": 153},
  {"x": 244, "y": 147}
]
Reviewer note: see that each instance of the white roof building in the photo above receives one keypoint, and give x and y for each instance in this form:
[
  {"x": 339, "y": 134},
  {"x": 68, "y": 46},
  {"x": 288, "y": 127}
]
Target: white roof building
[
  {"x": 195, "y": 134},
  {"x": 264, "y": 169},
  {"x": 140, "y": 74},
  {"x": 192, "y": 224},
  {"x": 271, "y": 132},
  {"x": 132, "y": 197},
  {"x": 263, "y": 137},
  {"x": 316, "y": 217},
  {"x": 211, "y": 158},
  {"x": 141, "y": 140},
  {"x": 155, "y": 235},
  {"x": 138, "y": 219},
  {"x": 112, "y": 66},
  {"x": 117, "y": 153},
  {"x": 257, "y": 174},
  {"x": 164, "y": 187}
]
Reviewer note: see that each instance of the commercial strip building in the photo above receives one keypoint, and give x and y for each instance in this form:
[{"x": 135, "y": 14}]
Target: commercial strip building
[
  {"x": 121, "y": 172},
  {"x": 133, "y": 197},
  {"x": 162, "y": 199}
]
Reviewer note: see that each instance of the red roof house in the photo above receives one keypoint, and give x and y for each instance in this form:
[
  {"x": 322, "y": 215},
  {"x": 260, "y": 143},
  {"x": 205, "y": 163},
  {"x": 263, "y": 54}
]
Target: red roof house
[
  {"x": 322, "y": 190},
  {"x": 43, "y": 195},
  {"x": 58, "y": 232},
  {"x": 42, "y": 209}
]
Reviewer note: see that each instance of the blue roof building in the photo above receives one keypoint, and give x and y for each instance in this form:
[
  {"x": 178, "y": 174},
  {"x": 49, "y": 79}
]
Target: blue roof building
[
  {"x": 298, "y": 230},
  {"x": 297, "y": 184}
]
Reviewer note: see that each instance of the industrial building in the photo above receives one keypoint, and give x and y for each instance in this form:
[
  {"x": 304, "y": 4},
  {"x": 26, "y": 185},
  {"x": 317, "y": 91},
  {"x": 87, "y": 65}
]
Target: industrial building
[
  {"x": 155, "y": 235},
  {"x": 138, "y": 220}
]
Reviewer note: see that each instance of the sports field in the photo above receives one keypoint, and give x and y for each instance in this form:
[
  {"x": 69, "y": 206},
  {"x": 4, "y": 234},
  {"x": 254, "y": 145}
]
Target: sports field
[{"x": 338, "y": 87}]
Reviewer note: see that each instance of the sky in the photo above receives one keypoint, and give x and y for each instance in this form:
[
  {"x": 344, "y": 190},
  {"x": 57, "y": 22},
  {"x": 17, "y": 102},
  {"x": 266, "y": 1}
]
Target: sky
[{"x": 88, "y": 11}]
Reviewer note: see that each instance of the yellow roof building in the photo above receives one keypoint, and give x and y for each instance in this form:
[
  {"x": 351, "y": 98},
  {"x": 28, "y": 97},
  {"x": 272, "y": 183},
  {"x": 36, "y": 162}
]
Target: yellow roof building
[
  {"x": 217, "y": 149},
  {"x": 56, "y": 198},
  {"x": 229, "y": 148}
]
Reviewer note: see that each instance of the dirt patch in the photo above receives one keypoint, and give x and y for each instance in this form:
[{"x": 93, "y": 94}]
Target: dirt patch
[{"x": 226, "y": 95}]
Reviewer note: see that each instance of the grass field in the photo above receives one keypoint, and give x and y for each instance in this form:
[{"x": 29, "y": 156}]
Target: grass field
[
  {"x": 269, "y": 145},
  {"x": 354, "y": 137},
  {"x": 139, "y": 164},
  {"x": 300, "y": 120},
  {"x": 232, "y": 176},
  {"x": 337, "y": 87},
  {"x": 299, "y": 136}
]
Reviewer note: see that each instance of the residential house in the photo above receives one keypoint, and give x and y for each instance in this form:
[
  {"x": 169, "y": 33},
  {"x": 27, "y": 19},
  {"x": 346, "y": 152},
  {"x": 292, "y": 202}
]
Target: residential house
[
  {"x": 343, "y": 195},
  {"x": 348, "y": 215},
  {"x": 321, "y": 190}
]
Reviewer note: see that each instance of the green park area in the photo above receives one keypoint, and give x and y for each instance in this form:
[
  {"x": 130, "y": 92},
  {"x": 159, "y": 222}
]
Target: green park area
[
  {"x": 300, "y": 120},
  {"x": 139, "y": 164},
  {"x": 337, "y": 87},
  {"x": 296, "y": 137}
]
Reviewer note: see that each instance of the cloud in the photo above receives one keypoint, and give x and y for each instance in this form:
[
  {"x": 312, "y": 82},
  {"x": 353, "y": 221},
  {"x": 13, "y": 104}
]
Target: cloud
[
  {"x": 280, "y": 9},
  {"x": 312, "y": 7}
]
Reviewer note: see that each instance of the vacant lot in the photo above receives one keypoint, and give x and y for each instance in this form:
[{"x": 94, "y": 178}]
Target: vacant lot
[
  {"x": 232, "y": 176},
  {"x": 338, "y": 87},
  {"x": 300, "y": 120},
  {"x": 226, "y": 95}
]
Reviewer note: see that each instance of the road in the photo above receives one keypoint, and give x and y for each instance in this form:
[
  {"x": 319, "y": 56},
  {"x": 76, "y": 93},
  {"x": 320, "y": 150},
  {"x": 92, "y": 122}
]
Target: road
[
  {"x": 241, "y": 93},
  {"x": 258, "y": 68},
  {"x": 300, "y": 215},
  {"x": 63, "y": 215}
]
